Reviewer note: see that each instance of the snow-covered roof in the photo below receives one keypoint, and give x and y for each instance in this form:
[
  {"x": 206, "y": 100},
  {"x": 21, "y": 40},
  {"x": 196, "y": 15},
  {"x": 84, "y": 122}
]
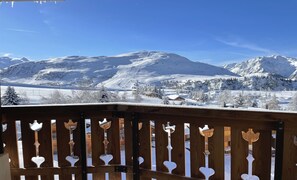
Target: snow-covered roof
[{"x": 174, "y": 97}]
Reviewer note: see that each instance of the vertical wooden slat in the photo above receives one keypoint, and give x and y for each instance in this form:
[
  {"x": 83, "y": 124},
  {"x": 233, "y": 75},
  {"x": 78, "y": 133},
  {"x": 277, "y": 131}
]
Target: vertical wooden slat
[
  {"x": 290, "y": 151},
  {"x": 262, "y": 154},
  {"x": 161, "y": 143},
  {"x": 11, "y": 141},
  {"x": 63, "y": 146},
  {"x": 216, "y": 148},
  {"x": 28, "y": 146},
  {"x": 45, "y": 148},
  {"x": 178, "y": 151},
  {"x": 239, "y": 152},
  {"x": 145, "y": 139},
  {"x": 115, "y": 149},
  {"x": 97, "y": 146},
  {"x": 128, "y": 145},
  {"x": 196, "y": 151},
  {"x": 77, "y": 146}
]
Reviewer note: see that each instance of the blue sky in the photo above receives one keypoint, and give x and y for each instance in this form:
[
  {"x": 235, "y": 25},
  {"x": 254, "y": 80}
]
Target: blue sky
[{"x": 215, "y": 32}]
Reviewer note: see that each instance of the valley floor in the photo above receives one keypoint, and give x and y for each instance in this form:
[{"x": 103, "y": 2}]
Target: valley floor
[{"x": 35, "y": 95}]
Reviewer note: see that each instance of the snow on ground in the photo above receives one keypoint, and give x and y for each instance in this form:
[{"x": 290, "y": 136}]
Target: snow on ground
[{"x": 35, "y": 95}]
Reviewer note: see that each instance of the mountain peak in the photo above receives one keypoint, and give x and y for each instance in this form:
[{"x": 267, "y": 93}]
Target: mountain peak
[
  {"x": 265, "y": 65},
  {"x": 148, "y": 67},
  {"x": 143, "y": 53},
  {"x": 8, "y": 61}
]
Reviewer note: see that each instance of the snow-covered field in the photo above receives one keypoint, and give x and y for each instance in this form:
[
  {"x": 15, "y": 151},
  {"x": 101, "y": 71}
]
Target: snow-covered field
[{"x": 35, "y": 96}]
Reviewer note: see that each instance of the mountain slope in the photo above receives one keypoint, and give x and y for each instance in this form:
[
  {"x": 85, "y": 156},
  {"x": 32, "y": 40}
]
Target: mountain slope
[
  {"x": 7, "y": 61},
  {"x": 264, "y": 66},
  {"x": 115, "y": 71}
]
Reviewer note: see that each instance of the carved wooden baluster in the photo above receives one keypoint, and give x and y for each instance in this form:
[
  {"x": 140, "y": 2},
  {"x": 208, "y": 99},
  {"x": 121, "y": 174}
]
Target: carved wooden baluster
[
  {"x": 38, "y": 160},
  {"x": 4, "y": 127},
  {"x": 170, "y": 165},
  {"x": 206, "y": 133},
  {"x": 250, "y": 137},
  {"x": 71, "y": 126},
  {"x": 295, "y": 143},
  {"x": 105, "y": 125},
  {"x": 140, "y": 159}
]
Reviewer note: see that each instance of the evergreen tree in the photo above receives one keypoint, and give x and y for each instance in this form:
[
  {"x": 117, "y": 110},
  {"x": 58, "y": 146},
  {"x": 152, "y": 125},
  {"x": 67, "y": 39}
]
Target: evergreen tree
[
  {"x": 136, "y": 93},
  {"x": 273, "y": 103},
  {"x": 103, "y": 95},
  {"x": 10, "y": 97},
  {"x": 165, "y": 100}
]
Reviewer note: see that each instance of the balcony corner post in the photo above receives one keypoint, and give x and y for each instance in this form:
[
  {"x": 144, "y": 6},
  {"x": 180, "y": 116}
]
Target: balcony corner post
[
  {"x": 1, "y": 140},
  {"x": 135, "y": 139},
  {"x": 83, "y": 146},
  {"x": 279, "y": 150}
]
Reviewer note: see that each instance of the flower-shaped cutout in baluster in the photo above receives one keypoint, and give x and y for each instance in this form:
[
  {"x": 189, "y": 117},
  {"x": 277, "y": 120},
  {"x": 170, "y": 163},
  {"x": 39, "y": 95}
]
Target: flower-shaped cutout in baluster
[
  {"x": 140, "y": 158},
  {"x": 71, "y": 126},
  {"x": 38, "y": 160},
  {"x": 105, "y": 125},
  {"x": 206, "y": 133},
  {"x": 4, "y": 128},
  {"x": 169, "y": 129},
  {"x": 250, "y": 137}
]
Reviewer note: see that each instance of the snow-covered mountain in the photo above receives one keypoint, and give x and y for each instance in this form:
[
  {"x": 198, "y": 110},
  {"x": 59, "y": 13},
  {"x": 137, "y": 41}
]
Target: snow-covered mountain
[
  {"x": 116, "y": 71},
  {"x": 263, "y": 66},
  {"x": 7, "y": 61}
]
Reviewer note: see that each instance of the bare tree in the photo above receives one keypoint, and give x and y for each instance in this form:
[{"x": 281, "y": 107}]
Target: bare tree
[
  {"x": 56, "y": 97},
  {"x": 293, "y": 104},
  {"x": 224, "y": 98}
]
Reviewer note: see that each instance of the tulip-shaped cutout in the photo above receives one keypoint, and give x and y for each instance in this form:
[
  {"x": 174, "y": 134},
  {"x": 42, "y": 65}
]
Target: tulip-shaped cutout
[
  {"x": 140, "y": 159},
  {"x": 4, "y": 128},
  {"x": 170, "y": 165},
  {"x": 105, "y": 125},
  {"x": 206, "y": 133},
  {"x": 38, "y": 160},
  {"x": 71, "y": 126},
  {"x": 250, "y": 137}
]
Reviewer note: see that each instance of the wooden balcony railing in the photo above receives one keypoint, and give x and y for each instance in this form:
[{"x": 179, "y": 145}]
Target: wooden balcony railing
[{"x": 161, "y": 135}]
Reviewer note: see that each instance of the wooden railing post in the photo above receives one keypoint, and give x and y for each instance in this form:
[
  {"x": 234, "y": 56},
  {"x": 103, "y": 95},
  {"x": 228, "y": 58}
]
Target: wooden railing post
[
  {"x": 279, "y": 149},
  {"x": 135, "y": 140},
  {"x": 83, "y": 147},
  {"x": 1, "y": 140}
]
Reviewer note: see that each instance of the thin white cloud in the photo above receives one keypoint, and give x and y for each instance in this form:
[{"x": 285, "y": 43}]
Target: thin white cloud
[
  {"x": 21, "y": 30},
  {"x": 5, "y": 54},
  {"x": 245, "y": 45}
]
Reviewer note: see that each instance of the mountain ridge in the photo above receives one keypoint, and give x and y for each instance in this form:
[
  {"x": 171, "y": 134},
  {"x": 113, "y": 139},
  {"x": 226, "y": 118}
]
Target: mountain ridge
[
  {"x": 8, "y": 61},
  {"x": 275, "y": 65},
  {"x": 113, "y": 71}
]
